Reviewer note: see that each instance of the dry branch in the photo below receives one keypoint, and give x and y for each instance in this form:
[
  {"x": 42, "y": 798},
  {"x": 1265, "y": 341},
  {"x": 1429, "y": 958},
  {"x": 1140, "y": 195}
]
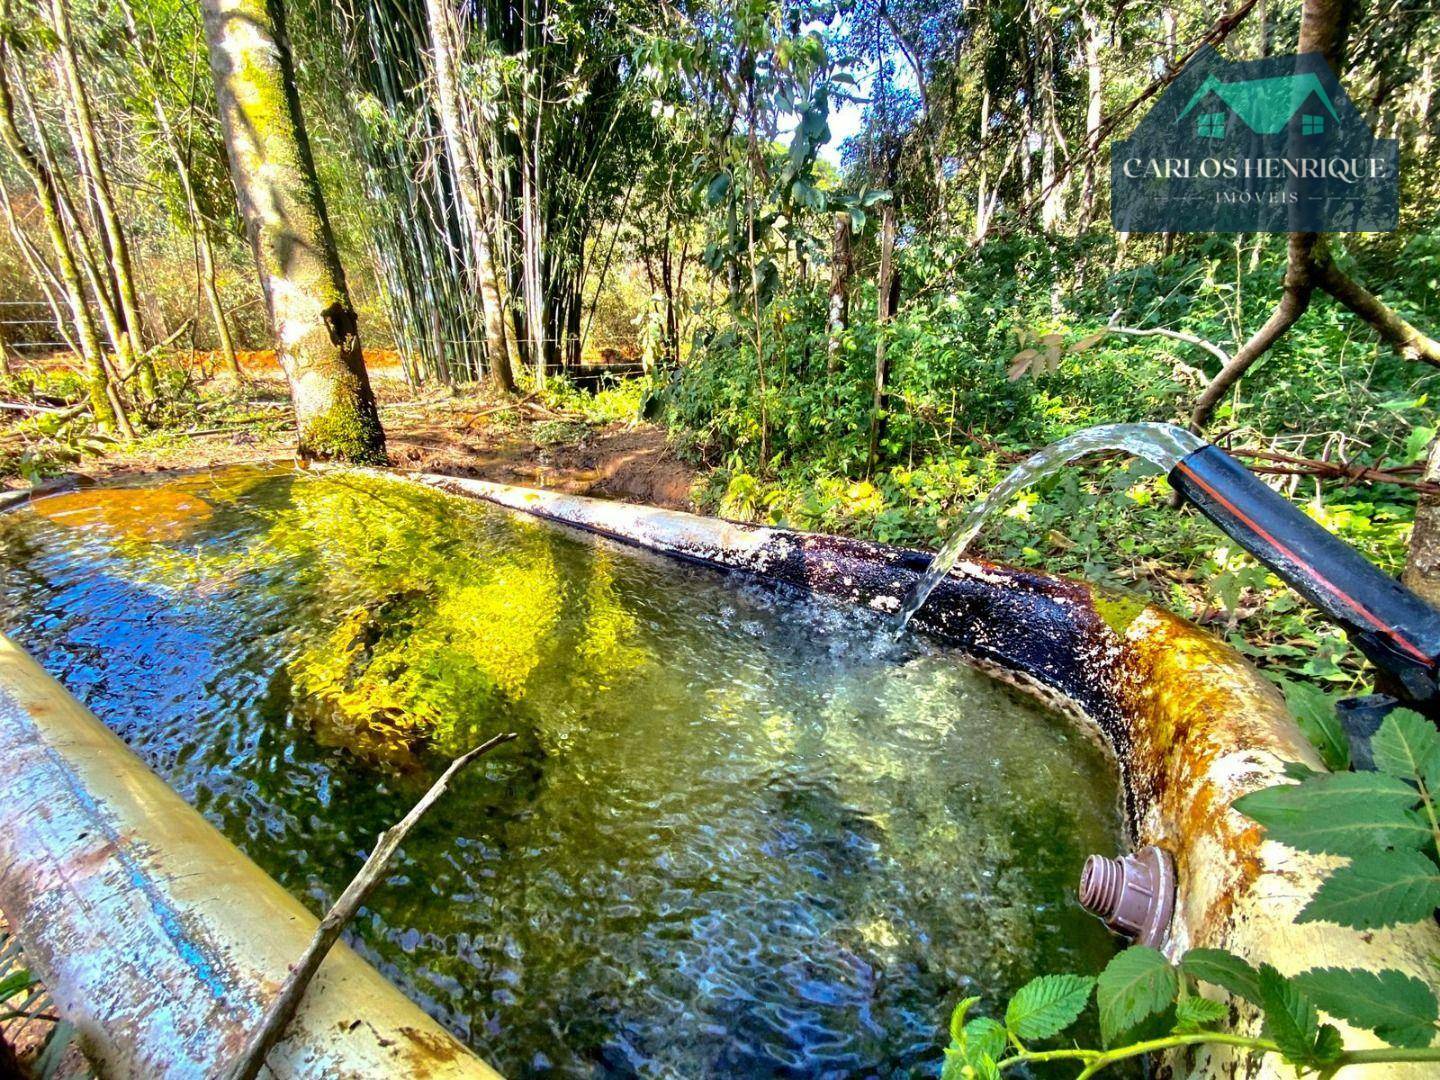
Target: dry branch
[
  {"x": 1291, "y": 465},
  {"x": 282, "y": 1010},
  {"x": 35, "y": 407},
  {"x": 1175, "y": 335}
]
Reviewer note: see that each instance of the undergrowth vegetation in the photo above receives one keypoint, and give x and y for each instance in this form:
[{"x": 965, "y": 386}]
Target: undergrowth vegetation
[{"x": 958, "y": 421}]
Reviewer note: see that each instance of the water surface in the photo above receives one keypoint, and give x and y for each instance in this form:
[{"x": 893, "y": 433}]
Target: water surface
[{"x": 742, "y": 833}]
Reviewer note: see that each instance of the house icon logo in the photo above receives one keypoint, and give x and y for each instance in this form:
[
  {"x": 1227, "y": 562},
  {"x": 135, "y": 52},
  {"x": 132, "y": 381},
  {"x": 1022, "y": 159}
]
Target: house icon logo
[{"x": 1272, "y": 145}]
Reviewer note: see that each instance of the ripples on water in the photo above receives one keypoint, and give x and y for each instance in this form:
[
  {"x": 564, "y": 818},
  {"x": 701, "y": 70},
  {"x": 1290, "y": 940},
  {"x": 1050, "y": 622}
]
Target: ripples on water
[{"x": 742, "y": 833}]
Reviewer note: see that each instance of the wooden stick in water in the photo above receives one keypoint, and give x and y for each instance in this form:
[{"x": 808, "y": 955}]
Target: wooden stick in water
[{"x": 282, "y": 1010}]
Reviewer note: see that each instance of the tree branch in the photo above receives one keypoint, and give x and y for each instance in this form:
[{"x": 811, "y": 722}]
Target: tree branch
[
  {"x": 1299, "y": 286},
  {"x": 1176, "y": 335},
  {"x": 1290, "y": 465},
  {"x": 282, "y": 1010},
  {"x": 1406, "y": 340}
]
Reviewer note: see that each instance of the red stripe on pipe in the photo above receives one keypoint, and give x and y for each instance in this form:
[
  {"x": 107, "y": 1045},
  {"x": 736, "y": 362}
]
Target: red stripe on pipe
[{"x": 1349, "y": 601}]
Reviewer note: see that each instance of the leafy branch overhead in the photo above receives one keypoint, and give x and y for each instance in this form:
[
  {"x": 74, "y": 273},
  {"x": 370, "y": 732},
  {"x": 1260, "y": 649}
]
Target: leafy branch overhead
[{"x": 1044, "y": 352}]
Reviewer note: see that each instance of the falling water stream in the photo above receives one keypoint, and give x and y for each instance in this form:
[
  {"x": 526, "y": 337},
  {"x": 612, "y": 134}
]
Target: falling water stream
[
  {"x": 1160, "y": 444},
  {"x": 742, "y": 833}
]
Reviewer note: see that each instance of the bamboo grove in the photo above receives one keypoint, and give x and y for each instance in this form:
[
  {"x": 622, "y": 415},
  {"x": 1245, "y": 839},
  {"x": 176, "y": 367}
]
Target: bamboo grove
[{"x": 476, "y": 179}]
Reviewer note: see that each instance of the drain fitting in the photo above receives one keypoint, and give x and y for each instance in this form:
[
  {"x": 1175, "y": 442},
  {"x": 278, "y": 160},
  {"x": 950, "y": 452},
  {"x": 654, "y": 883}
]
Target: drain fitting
[{"x": 1134, "y": 895}]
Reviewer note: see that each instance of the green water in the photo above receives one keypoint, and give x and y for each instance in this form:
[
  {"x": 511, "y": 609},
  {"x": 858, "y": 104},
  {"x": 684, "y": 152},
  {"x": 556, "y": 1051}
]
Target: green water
[{"x": 741, "y": 833}]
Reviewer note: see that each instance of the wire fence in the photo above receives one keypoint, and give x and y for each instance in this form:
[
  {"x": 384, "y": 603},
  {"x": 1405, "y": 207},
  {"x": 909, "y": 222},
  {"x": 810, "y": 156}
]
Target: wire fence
[{"x": 20, "y": 331}]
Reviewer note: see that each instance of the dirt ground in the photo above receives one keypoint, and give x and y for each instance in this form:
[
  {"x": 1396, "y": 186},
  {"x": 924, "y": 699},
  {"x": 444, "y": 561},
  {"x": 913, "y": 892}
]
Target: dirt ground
[
  {"x": 534, "y": 448},
  {"x": 516, "y": 441}
]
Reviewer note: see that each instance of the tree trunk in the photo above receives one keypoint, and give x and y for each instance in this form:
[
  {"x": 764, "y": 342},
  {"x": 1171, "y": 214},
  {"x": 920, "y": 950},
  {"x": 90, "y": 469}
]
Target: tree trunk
[
  {"x": 532, "y": 276},
  {"x": 1094, "y": 102},
  {"x": 467, "y": 181},
  {"x": 50, "y": 285},
  {"x": 187, "y": 189},
  {"x": 840, "y": 270},
  {"x": 317, "y": 335},
  {"x": 1170, "y": 26},
  {"x": 494, "y": 202},
  {"x": 98, "y": 271},
  {"x": 97, "y": 376},
  {"x": 223, "y": 337},
  {"x": 1052, "y": 205},
  {"x": 1425, "y": 94},
  {"x": 116, "y": 244},
  {"x": 1422, "y": 562},
  {"x": 885, "y": 299},
  {"x": 982, "y": 146}
]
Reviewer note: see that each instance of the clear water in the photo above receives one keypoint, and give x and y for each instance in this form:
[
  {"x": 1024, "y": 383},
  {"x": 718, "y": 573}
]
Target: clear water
[
  {"x": 1160, "y": 444},
  {"x": 741, "y": 834}
]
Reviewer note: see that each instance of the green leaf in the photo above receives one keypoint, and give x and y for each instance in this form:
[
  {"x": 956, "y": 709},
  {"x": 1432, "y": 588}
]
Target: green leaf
[
  {"x": 1194, "y": 1012},
  {"x": 1297, "y": 770},
  {"x": 1339, "y": 813},
  {"x": 1407, "y": 745},
  {"x": 954, "y": 1068},
  {"x": 1137, "y": 983},
  {"x": 1225, "y": 970},
  {"x": 1328, "y": 1044},
  {"x": 719, "y": 185},
  {"x": 1384, "y": 888},
  {"x": 812, "y": 123},
  {"x": 16, "y": 982},
  {"x": 985, "y": 1037},
  {"x": 1290, "y": 1019},
  {"x": 1417, "y": 442},
  {"x": 1047, "y": 1005},
  {"x": 1314, "y": 710},
  {"x": 957, "y": 1019},
  {"x": 1399, "y": 1008}
]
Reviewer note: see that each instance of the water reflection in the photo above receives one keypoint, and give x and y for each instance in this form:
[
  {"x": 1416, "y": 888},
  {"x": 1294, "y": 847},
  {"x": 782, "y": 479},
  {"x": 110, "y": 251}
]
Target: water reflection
[{"x": 741, "y": 834}]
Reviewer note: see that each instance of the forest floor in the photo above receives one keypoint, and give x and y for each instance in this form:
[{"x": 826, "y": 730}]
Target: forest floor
[{"x": 524, "y": 441}]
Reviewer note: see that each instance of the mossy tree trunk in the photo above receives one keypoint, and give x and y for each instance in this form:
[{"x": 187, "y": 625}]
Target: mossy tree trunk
[{"x": 317, "y": 335}]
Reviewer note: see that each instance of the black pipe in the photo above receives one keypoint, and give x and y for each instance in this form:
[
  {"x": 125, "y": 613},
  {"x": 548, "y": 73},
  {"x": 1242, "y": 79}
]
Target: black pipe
[{"x": 1398, "y": 631}]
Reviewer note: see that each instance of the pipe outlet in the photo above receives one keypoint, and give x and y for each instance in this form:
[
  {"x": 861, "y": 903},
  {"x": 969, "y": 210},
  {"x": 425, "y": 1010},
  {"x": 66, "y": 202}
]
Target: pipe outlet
[{"x": 1134, "y": 895}]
